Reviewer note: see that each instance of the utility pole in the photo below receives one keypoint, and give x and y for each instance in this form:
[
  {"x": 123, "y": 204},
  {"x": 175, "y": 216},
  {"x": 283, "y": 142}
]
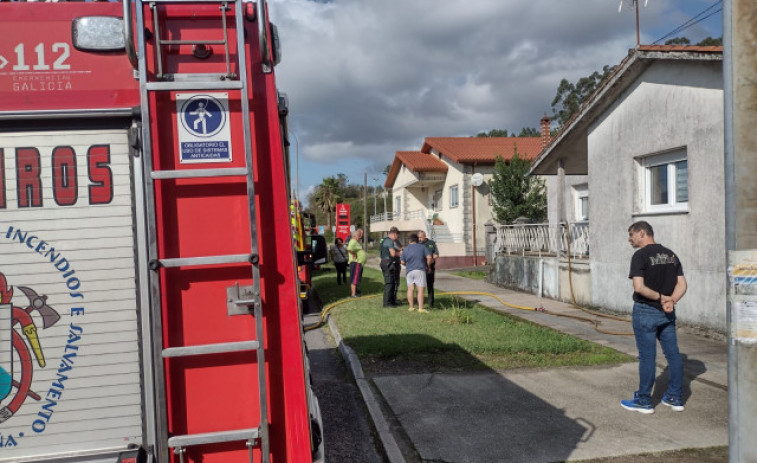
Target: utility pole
[
  {"x": 636, "y": 6},
  {"x": 638, "y": 40},
  {"x": 365, "y": 210},
  {"x": 739, "y": 67}
]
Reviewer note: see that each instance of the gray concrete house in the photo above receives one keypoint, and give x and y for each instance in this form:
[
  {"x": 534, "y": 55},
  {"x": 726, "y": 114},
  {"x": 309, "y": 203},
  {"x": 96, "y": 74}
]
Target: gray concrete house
[{"x": 648, "y": 145}]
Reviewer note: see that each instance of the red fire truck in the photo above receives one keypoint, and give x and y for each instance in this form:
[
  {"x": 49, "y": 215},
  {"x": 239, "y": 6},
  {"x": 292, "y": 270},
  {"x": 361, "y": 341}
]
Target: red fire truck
[
  {"x": 310, "y": 248},
  {"x": 149, "y": 307}
]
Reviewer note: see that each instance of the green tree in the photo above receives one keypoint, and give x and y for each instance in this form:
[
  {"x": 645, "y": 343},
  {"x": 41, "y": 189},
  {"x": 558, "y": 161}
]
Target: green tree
[
  {"x": 707, "y": 42},
  {"x": 515, "y": 193},
  {"x": 493, "y": 133},
  {"x": 529, "y": 132},
  {"x": 711, "y": 42},
  {"x": 570, "y": 96},
  {"x": 678, "y": 41},
  {"x": 326, "y": 196}
]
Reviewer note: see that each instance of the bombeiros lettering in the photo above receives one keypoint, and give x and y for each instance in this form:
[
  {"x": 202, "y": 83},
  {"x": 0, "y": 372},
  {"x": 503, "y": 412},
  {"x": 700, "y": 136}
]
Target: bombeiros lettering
[{"x": 63, "y": 169}]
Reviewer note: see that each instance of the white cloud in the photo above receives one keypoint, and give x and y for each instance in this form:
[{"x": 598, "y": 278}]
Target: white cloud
[{"x": 366, "y": 78}]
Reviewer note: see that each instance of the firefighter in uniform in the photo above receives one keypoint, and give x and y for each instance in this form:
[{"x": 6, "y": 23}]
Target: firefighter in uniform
[
  {"x": 434, "y": 251},
  {"x": 390, "y": 257}
]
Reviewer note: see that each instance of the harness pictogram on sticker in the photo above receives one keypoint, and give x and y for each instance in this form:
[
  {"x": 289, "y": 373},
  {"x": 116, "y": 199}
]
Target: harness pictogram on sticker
[{"x": 204, "y": 133}]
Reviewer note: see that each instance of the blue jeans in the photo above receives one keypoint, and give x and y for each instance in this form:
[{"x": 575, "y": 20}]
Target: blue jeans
[{"x": 649, "y": 325}]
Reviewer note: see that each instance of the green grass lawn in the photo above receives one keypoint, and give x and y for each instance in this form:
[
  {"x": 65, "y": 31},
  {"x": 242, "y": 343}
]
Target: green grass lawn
[{"x": 455, "y": 335}]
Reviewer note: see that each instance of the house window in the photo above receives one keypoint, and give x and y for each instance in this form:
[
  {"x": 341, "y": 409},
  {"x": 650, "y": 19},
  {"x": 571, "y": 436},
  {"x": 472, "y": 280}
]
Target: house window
[
  {"x": 453, "y": 196},
  {"x": 581, "y": 201},
  {"x": 438, "y": 200},
  {"x": 666, "y": 182},
  {"x": 397, "y": 204}
]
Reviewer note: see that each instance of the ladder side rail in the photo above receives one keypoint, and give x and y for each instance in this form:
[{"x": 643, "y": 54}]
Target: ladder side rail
[
  {"x": 254, "y": 249},
  {"x": 146, "y": 313},
  {"x": 161, "y": 419},
  {"x": 158, "y": 41},
  {"x": 224, "y": 8}
]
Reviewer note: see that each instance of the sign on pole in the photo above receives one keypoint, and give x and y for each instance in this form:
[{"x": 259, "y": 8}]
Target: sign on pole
[{"x": 343, "y": 221}]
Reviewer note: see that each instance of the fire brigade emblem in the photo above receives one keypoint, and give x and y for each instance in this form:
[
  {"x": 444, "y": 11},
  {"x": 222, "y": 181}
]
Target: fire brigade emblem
[{"x": 20, "y": 344}]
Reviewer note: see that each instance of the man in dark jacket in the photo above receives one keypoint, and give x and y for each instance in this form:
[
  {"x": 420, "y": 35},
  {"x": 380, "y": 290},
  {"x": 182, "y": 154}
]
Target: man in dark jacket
[
  {"x": 434, "y": 251},
  {"x": 389, "y": 256}
]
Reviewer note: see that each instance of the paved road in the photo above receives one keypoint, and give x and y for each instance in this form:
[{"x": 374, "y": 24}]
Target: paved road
[
  {"x": 348, "y": 435},
  {"x": 553, "y": 414}
]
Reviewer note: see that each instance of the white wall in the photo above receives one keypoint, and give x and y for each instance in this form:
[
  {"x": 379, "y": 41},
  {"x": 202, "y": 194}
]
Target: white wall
[
  {"x": 453, "y": 216},
  {"x": 672, "y": 105},
  {"x": 404, "y": 177},
  {"x": 484, "y": 212},
  {"x": 551, "y": 183},
  {"x": 459, "y": 220}
]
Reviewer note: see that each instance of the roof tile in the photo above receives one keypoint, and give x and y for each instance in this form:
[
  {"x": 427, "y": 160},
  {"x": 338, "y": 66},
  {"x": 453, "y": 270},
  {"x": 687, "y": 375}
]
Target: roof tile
[
  {"x": 415, "y": 161},
  {"x": 468, "y": 150}
]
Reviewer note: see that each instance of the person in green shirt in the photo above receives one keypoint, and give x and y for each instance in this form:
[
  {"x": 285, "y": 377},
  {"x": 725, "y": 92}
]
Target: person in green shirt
[{"x": 357, "y": 261}]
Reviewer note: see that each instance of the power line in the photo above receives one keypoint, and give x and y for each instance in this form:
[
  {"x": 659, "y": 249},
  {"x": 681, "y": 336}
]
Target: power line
[
  {"x": 692, "y": 21},
  {"x": 699, "y": 17}
]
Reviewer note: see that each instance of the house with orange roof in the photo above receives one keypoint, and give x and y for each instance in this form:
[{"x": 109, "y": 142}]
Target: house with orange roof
[
  {"x": 647, "y": 145},
  {"x": 444, "y": 189}
]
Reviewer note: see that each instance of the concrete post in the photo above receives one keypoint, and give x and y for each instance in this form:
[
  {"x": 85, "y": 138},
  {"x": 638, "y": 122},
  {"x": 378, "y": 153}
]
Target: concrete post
[
  {"x": 557, "y": 230},
  {"x": 491, "y": 237},
  {"x": 739, "y": 69}
]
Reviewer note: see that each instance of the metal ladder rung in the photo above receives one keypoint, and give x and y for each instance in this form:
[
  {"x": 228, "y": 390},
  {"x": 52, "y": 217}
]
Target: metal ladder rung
[
  {"x": 198, "y": 173},
  {"x": 213, "y": 437},
  {"x": 190, "y": 1},
  {"x": 192, "y": 42},
  {"x": 195, "y": 85},
  {"x": 203, "y": 349},
  {"x": 208, "y": 260},
  {"x": 199, "y": 77}
]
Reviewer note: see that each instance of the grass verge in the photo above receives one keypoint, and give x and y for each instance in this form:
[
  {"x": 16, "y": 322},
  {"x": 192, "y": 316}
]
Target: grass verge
[{"x": 456, "y": 335}]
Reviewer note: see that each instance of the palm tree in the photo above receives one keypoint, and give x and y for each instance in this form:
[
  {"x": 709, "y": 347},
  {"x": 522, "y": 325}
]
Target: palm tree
[{"x": 327, "y": 196}]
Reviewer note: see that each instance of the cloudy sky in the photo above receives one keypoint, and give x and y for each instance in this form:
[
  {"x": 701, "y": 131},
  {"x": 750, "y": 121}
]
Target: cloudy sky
[{"x": 367, "y": 78}]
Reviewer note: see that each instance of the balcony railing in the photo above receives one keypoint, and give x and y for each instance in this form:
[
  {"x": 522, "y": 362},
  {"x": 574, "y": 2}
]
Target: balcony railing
[
  {"x": 394, "y": 216},
  {"x": 540, "y": 240},
  {"x": 579, "y": 240}
]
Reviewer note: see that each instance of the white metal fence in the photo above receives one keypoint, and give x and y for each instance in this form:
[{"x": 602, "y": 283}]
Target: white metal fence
[
  {"x": 394, "y": 216},
  {"x": 540, "y": 239}
]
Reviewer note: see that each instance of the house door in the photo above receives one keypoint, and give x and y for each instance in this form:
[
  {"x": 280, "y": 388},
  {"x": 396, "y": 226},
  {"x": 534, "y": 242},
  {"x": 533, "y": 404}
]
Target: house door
[{"x": 437, "y": 200}]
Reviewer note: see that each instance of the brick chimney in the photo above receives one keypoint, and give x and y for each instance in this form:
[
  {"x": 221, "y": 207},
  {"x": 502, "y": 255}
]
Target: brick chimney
[{"x": 545, "y": 135}]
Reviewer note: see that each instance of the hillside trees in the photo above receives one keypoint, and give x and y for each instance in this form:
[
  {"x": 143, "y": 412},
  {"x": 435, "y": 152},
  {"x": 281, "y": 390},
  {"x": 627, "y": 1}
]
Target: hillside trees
[{"x": 570, "y": 96}]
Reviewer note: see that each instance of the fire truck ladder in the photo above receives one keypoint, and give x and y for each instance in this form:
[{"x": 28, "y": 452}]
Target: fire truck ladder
[{"x": 241, "y": 300}]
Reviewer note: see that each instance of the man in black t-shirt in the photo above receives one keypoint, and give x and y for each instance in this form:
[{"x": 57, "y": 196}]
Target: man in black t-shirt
[{"x": 658, "y": 284}]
